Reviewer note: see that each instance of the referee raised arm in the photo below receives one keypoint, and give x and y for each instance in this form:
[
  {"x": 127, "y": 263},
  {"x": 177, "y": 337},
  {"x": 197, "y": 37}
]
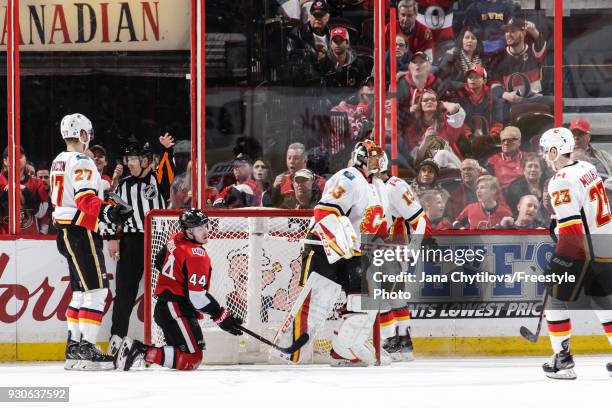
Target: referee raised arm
[{"x": 145, "y": 190}]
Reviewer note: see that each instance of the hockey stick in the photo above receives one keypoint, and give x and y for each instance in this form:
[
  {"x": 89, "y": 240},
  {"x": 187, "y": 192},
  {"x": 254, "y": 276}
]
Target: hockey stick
[
  {"x": 525, "y": 332},
  {"x": 299, "y": 343}
]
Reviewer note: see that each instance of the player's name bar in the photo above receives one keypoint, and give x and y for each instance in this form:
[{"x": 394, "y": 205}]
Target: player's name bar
[{"x": 34, "y": 394}]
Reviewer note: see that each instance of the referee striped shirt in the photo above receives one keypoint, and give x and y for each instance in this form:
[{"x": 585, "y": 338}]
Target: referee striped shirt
[{"x": 143, "y": 194}]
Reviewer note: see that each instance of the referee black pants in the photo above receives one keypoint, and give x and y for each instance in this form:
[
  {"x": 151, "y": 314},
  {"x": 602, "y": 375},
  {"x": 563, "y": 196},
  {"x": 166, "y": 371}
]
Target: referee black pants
[{"x": 130, "y": 268}]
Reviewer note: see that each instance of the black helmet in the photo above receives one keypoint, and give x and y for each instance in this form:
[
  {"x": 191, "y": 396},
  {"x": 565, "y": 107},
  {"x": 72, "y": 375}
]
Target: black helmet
[
  {"x": 193, "y": 218},
  {"x": 134, "y": 149}
]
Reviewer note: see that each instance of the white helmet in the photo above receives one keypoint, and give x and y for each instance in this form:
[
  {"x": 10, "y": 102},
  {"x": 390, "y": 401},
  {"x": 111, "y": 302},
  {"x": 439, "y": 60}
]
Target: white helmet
[
  {"x": 560, "y": 138},
  {"x": 72, "y": 125},
  {"x": 362, "y": 153}
]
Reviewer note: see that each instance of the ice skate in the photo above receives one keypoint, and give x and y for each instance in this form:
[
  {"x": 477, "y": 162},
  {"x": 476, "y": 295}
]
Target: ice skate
[
  {"x": 92, "y": 358},
  {"x": 406, "y": 349},
  {"x": 560, "y": 367},
  {"x": 130, "y": 352},
  {"x": 71, "y": 356}
]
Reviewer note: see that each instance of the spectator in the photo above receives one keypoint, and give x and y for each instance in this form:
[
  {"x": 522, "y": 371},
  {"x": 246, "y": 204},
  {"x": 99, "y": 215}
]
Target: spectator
[
  {"x": 411, "y": 86},
  {"x": 530, "y": 183},
  {"x": 245, "y": 192},
  {"x": 488, "y": 212},
  {"x": 480, "y": 106},
  {"x": 465, "y": 193},
  {"x": 306, "y": 194},
  {"x": 308, "y": 45},
  {"x": 427, "y": 177},
  {"x": 466, "y": 54},
  {"x": 262, "y": 174},
  {"x": 361, "y": 112},
  {"x": 33, "y": 196},
  {"x": 402, "y": 57},
  {"x": 527, "y": 209},
  {"x": 314, "y": 35},
  {"x": 180, "y": 190},
  {"x": 601, "y": 159},
  {"x": 506, "y": 165},
  {"x": 43, "y": 175},
  {"x": 432, "y": 117},
  {"x": 519, "y": 58},
  {"x": 341, "y": 67},
  {"x": 283, "y": 186},
  {"x": 98, "y": 154},
  {"x": 490, "y": 16},
  {"x": 440, "y": 151},
  {"x": 418, "y": 37},
  {"x": 434, "y": 204}
]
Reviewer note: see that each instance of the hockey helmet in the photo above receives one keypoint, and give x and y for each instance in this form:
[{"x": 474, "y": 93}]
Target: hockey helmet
[
  {"x": 135, "y": 149},
  {"x": 560, "y": 138},
  {"x": 384, "y": 163},
  {"x": 363, "y": 152},
  {"x": 193, "y": 218},
  {"x": 72, "y": 125}
]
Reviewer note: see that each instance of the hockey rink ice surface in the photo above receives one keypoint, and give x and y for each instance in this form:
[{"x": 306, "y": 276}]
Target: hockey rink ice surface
[{"x": 514, "y": 382}]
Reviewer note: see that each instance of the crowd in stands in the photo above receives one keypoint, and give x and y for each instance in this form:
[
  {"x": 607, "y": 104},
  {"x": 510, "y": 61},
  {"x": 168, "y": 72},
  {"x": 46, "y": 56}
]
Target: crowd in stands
[{"x": 466, "y": 90}]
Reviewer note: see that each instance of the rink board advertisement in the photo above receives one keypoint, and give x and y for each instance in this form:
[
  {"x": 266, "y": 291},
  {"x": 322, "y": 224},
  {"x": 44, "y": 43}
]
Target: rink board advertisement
[
  {"x": 34, "y": 294},
  {"x": 128, "y": 25}
]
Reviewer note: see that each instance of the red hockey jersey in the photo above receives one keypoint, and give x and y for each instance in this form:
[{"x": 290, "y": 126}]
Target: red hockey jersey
[{"x": 186, "y": 268}]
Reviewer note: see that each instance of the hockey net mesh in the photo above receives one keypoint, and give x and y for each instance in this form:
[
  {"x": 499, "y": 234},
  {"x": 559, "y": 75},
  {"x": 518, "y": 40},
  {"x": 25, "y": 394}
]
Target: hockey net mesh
[{"x": 228, "y": 247}]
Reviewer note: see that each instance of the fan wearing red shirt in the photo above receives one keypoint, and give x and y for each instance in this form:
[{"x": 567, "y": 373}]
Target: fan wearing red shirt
[
  {"x": 34, "y": 198},
  {"x": 418, "y": 37},
  {"x": 182, "y": 293},
  {"x": 506, "y": 165},
  {"x": 487, "y": 213}
]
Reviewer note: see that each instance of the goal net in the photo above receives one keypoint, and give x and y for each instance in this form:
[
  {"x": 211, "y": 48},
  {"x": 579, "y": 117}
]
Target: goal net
[{"x": 256, "y": 265}]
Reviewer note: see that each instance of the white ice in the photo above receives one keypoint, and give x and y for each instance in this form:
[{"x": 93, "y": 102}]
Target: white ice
[{"x": 514, "y": 382}]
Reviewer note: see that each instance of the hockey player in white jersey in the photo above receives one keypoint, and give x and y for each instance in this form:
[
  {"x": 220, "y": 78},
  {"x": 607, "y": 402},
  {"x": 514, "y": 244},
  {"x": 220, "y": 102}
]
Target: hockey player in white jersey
[
  {"x": 584, "y": 228},
  {"x": 77, "y": 197},
  {"x": 351, "y": 209},
  {"x": 408, "y": 225}
]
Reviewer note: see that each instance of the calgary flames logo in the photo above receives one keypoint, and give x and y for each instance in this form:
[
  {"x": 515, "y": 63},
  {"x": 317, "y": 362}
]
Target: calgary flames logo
[{"x": 373, "y": 220}]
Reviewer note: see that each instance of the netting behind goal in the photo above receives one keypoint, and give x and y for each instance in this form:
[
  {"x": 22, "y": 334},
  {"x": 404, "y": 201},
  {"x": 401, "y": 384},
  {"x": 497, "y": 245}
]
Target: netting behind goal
[{"x": 256, "y": 267}]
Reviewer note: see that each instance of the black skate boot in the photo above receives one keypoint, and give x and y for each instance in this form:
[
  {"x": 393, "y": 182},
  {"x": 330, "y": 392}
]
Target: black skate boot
[
  {"x": 609, "y": 368},
  {"x": 92, "y": 358},
  {"x": 406, "y": 348},
  {"x": 129, "y": 353},
  {"x": 392, "y": 346},
  {"x": 561, "y": 365},
  {"x": 71, "y": 356}
]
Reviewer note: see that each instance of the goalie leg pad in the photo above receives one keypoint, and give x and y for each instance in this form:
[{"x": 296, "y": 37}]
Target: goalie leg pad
[
  {"x": 314, "y": 305},
  {"x": 350, "y": 341}
]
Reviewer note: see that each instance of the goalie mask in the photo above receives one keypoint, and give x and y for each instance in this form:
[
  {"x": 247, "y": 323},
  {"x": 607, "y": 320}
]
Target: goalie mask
[
  {"x": 72, "y": 125},
  {"x": 367, "y": 155},
  {"x": 561, "y": 139}
]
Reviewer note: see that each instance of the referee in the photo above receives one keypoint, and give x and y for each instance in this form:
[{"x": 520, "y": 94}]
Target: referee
[{"x": 145, "y": 190}]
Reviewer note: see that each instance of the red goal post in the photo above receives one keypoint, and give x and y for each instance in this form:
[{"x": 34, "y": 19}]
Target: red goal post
[{"x": 256, "y": 263}]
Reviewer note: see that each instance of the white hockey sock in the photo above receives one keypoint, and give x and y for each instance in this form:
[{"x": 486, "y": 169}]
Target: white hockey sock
[
  {"x": 605, "y": 318},
  {"x": 72, "y": 315},
  {"x": 559, "y": 328},
  {"x": 91, "y": 313}
]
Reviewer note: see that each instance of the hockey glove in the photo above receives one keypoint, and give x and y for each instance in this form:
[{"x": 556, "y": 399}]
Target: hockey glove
[
  {"x": 116, "y": 214},
  {"x": 228, "y": 322}
]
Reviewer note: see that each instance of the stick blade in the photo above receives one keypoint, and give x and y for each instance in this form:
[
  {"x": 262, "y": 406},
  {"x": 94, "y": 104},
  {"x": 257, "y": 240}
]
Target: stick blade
[
  {"x": 298, "y": 344},
  {"x": 528, "y": 335}
]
